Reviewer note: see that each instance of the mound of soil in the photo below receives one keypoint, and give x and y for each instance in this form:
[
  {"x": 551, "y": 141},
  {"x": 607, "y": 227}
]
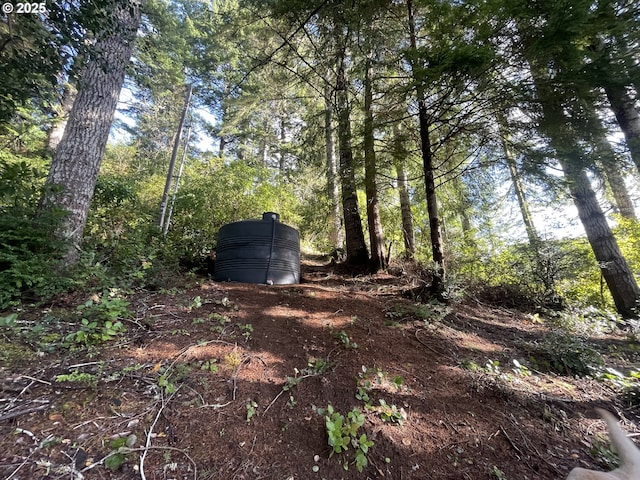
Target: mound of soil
[{"x": 237, "y": 381}]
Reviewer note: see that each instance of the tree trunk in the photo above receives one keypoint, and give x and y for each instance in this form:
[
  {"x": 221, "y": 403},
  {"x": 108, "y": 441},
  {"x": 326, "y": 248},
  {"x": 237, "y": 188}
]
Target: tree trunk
[
  {"x": 615, "y": 270},
  {"x": 222, "y": 146},
  {"x": 335, "y": 232},
  {"x": 609, "y": 167},
  {"x": 629, "y": 57},
  {"x": 76, "y": 163},
  {"x": 408, "y": 233},
  {"x": 429, "y": 168},
  {"x": 264, "y": 144},
  {"x": 172, "y": 162},
  {"x": 355, "y": 244},
  {"x": 530, "y": 228},
  {"x": 628, "y": 119},
  {"x": 376, "y": 240},
  {"x": 283, "y": 139},
  {"x": 567, "y": 143},
  {"x": 61, "y": 116}
]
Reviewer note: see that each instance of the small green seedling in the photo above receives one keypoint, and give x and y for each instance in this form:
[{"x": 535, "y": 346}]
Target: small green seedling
[
  {"x": 251, "y": 410},
  {"x": 342, "y": 432},
  {"x": 345, "y": 340}
]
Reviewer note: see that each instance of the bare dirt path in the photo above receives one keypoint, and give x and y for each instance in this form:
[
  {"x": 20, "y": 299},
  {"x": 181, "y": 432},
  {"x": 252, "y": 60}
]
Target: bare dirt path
[{"x": 236, "y": 381}]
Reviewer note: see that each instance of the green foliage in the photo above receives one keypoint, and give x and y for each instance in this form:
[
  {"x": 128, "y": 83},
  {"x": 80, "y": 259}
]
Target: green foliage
[
  {"x": 120, "y": 448},
  {"x": 470, "y": 365},
  {"x": 343, "y": 337},
  {"x": 166, "y": 384},
  {"x": 76, "y": 376},
  {"x": 390, "y": 413},
  {"x": 627, "y": 235},
  {"x": 246, "y": 330},
  {"x": 213, "y": 194},
  {"x": 210, "y": 365},
  {"x": 627, "y": 384},
  {"x": 565, "y": 353},
  {"x": 121, "y": 234},
  {"x": 29, "y": 252},
  {"x": 582, "y": 320},
  {"x": 495, "y": 472},
  {"x": 367, "y": 379},
  {"x": 342, "y": 432},
  {"x": 601, "y": 450},
  {"x": 251, "y": 410},
  {"x": 9, "y": 323},
  {"x": 430, "y": 312},
  {"x": 32, "y": 56},
  {"x": 122, "y": 246},
  {"x": 114, "y": 461},
  {"x": 100, "y": 320},
  {"x": 548, "y": 277}
]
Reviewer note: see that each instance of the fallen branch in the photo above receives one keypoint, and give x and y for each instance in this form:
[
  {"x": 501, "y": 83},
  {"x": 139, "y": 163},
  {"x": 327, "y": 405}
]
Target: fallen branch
[
  {"x": 18, "y": 413},
  {"x": 147, "y": 446}
]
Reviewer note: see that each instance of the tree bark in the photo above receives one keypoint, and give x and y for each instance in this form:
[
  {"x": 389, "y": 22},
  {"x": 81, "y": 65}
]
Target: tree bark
[
  {"x": 556, "y": 100},
  {"x": 615, "y": 270},
  {"x": 527, "y": 219},
  {"x": 628, "y": 119},
  {"x": 428, "y": 167},
  {"x": 609, "y": 167},
  {"x": 264, "y": 144},
  {"x": 335, "y": 230},
  {"x": 356, "y": 247},
  {"x": 612, "y": 70},
  {"x": 408, "y": 234},
  {"x": 376, "y": 240},
  {"x": 76, "y": 163},
  {"x": 613, "y": 266},
  {"x": 283, "y": 139},
  {"x": 61, "y": 116},
  {"x": 172, "y": 162}
]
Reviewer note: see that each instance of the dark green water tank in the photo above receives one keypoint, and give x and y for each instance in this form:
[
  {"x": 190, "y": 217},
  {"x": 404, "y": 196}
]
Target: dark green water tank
[{"x": 258, "y": 251}]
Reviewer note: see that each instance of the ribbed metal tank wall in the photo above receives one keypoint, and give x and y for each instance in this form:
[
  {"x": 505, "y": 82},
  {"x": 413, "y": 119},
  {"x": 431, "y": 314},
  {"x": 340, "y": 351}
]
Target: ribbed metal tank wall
[{"x": 258, "y": 251}]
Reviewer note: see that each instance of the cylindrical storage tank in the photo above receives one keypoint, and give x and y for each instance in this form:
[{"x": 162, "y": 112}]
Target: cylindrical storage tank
[{"x": 258, "y": 251}]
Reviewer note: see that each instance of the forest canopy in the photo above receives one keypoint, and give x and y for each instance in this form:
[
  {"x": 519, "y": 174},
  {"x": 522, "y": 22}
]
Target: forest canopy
[{"x": 496, "y": 143}]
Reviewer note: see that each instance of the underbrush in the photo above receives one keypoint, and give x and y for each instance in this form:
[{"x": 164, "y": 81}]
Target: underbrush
[
  {"x": 97, "y": 320},
  {"x": 577, "y": 343}
]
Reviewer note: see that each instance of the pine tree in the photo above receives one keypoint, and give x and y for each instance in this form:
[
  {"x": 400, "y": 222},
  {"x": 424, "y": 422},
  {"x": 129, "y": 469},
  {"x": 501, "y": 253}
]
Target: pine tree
[
  {"x": 76, "y": 163},
  {"x": 428, "y": 165},
  {"x": 558, "y": 94},
  {"x": 356, "y": 247}
]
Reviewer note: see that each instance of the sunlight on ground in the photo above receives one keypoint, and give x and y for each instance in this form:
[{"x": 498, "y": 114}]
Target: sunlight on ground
[{"x": 318, "y": 320}]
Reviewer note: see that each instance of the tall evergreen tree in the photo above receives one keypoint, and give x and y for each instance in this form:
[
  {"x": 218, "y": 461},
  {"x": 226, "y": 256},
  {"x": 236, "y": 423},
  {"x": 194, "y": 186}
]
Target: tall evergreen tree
[
  {"x": 76, "y": 163},
  {"x": 331, "y": 169},
  {"x": 399, "y": 153},
  {"x": 428, "y": 164},
  {"x": 376, "y": 240},
  {"x": 356, "y": 247},
  {"x": 553, "y": 71}
]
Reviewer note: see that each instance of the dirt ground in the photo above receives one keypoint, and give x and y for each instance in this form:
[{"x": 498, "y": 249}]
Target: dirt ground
[{"x": 236, "y": 381}]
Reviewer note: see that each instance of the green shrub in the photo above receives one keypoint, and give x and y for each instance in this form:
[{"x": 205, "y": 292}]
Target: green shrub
[
  {"x": 628, "y": 385},
  {"x": 100, "y": 320},
  {"x": 29, "y": 252},
  {"x": 565, "y": 353}
]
